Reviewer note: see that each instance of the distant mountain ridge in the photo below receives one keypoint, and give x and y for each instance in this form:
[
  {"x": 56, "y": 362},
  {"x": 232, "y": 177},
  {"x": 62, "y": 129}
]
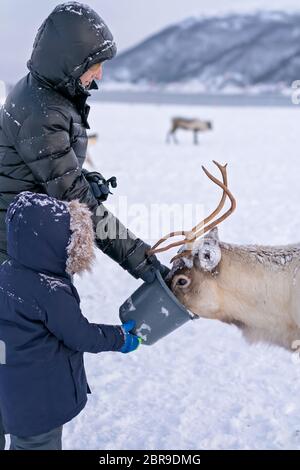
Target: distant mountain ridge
[{"x": 258, "y": 50}]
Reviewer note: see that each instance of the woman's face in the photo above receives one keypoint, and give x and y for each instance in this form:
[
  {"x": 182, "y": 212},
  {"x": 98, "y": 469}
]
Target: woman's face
[{"x": 93, "y": 73}]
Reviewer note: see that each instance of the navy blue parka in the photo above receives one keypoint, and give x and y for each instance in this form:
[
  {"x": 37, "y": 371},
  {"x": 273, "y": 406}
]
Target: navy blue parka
[{"x": 43, "y": 382}]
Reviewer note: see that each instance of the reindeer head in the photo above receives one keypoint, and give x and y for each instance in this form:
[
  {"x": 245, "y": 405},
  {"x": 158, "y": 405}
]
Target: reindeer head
[
  {"x": 193, "y": 278},
  {"x": 193, "y": 275}
]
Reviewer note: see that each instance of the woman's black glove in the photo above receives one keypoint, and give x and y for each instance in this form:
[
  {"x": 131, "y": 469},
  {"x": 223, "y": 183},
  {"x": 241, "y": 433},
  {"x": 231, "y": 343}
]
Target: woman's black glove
[{"x": 100, "y": 187}]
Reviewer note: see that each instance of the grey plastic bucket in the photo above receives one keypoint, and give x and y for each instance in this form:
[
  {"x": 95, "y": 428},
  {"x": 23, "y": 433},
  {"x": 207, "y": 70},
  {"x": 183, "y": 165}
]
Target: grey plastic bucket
[{"x": 155, "y": 309}]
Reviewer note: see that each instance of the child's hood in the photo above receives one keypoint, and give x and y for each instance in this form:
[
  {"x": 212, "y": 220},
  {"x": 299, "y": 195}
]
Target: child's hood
[{"x": 49, "y": 235}]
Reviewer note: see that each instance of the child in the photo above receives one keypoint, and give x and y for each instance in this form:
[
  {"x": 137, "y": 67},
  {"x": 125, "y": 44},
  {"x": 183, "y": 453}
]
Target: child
[{"x": 42, "y": 381}]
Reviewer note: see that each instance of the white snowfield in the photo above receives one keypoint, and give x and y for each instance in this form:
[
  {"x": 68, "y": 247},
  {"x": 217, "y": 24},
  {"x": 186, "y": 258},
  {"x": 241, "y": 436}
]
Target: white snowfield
[{"x": 201, "y": 387}]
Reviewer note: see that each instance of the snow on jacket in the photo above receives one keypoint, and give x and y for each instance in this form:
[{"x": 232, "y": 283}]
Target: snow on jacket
[
  {"x": 43, "y": 383},
  {"x": 43, "y": 125}
]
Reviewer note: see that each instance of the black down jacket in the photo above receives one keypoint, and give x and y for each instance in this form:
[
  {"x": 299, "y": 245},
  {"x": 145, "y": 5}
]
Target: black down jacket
[{"x": 43, "y": 126}]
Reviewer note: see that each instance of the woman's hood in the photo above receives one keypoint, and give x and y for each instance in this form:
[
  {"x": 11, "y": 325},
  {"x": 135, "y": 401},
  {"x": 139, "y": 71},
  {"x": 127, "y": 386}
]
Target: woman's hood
[
  {"x": 49, "y": 235},
  {"x": 71, "y": 39}
]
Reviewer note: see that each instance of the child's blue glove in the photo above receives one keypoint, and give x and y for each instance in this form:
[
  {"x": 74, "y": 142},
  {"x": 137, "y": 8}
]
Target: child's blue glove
[{"x": 132, "y": 342}]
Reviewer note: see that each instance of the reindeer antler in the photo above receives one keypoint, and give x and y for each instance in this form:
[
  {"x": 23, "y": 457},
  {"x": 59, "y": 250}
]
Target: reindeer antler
[{"x": 201, "y": 228}]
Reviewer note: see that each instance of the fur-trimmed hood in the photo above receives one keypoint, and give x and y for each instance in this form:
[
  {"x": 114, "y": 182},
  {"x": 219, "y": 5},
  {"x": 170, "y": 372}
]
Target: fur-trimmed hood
[
  {"x": 49, "y": 235},
  {"x": 80, "y": 249}
]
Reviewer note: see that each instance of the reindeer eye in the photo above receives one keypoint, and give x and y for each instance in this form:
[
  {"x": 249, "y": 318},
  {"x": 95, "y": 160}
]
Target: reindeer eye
[{"x": 182, "y": 281}]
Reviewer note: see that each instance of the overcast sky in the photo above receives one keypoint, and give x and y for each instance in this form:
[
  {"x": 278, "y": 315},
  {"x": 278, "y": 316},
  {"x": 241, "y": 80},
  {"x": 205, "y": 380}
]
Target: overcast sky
[{"x": 129, "y": 20}]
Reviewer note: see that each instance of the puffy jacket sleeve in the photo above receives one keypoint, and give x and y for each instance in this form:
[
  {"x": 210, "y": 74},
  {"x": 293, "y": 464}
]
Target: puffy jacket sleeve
[
  {"x": 120, "y": 244},
  {"x": 64, "y": 319},
  {"x": 44, "y": 145}
]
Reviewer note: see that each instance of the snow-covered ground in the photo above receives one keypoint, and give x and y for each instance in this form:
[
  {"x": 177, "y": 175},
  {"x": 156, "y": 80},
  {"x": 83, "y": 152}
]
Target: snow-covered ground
[{"x": 202, "y": 387}]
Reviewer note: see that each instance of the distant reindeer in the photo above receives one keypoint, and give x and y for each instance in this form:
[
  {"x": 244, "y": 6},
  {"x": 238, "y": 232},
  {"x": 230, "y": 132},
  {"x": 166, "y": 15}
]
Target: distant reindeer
[
  {"x": 92, "y": 140},
  {"x": 194, "y": 125}
]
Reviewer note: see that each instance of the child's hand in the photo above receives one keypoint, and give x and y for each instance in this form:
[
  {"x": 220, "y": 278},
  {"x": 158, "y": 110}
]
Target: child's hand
[{"x": 132, "y": 342}]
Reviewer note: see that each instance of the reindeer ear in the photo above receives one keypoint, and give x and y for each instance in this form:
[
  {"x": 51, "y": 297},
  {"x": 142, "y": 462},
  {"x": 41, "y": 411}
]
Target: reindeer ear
[
  {"x": 209, "y": 252},
  {"x": 213, "y": 233}
]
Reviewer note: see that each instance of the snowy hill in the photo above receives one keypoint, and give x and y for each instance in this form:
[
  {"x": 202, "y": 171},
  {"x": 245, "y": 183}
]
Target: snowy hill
[
  {"x": 258, "y": 51},
  {"x": 3, "y": 92}
]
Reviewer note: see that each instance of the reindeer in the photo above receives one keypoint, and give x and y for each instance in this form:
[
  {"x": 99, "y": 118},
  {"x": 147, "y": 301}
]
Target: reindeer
[
  {"x": 256, "y": 288},
  {"x": 195, "y": 125}
]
